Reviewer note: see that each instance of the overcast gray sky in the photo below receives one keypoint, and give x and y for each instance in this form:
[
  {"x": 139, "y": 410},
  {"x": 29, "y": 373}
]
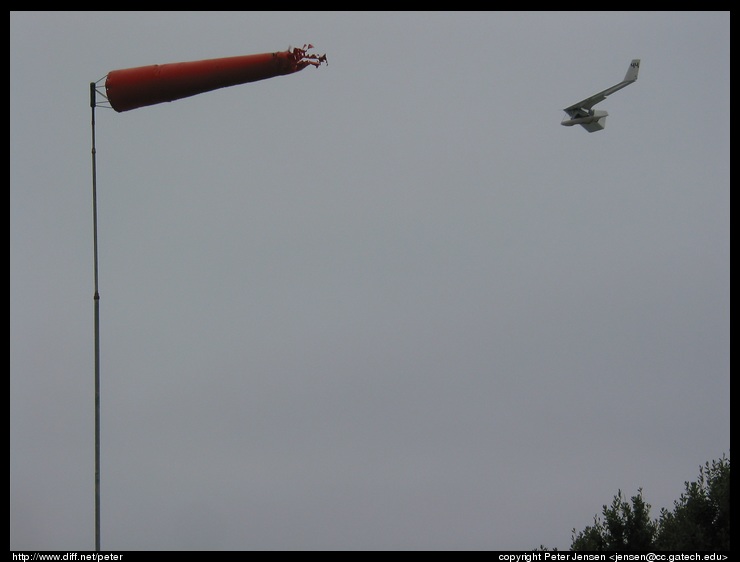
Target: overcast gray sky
[{"x": 387, "y": 304}]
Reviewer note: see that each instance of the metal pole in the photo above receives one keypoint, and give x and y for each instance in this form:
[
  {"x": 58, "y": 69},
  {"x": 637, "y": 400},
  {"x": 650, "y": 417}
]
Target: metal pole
[{"x": 96, "y": 300}]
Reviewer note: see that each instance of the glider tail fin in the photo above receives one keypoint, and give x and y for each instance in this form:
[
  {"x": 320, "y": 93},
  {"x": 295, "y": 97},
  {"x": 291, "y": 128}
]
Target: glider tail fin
[{"x": 634, "y": 68}]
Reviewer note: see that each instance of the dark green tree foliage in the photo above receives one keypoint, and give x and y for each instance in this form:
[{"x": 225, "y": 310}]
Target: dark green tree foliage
[
  {"x": 701, "y": 516},
  {"x": 624, "y": 527},
  {"x": 700, "y": 519}
]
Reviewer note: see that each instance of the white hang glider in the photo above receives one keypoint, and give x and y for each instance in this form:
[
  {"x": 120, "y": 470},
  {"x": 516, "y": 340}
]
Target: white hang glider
[{"x": 592, "y": 119}]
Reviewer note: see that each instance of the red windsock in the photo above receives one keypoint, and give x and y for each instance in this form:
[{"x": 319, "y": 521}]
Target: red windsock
[{"x": 147, "y": 85}]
